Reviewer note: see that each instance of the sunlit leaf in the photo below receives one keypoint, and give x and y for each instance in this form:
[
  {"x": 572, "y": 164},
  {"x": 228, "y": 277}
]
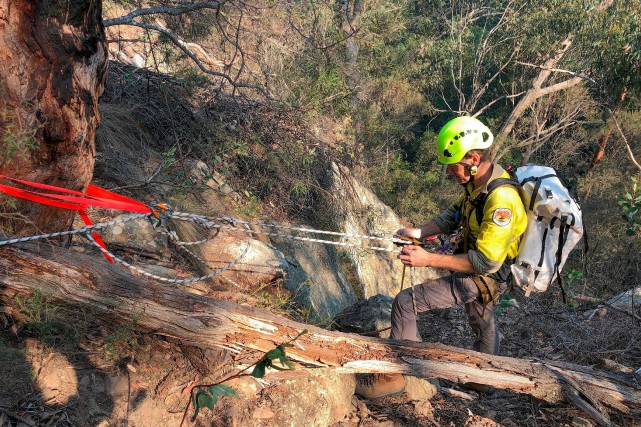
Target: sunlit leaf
[
  {"x": 275, "y": 353},
  {"x": 221, "y": 390}
]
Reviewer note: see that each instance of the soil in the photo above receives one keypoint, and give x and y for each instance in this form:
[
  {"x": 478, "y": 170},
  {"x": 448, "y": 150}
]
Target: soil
[{"x": 115, "y": 377}]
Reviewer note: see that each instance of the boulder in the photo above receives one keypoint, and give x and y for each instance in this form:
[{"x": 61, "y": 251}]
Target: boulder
[
  {"x": 137, "y": 237},
  {"x": 367, "y": 317},
  {"x": 315, "y": 279},
  {"x": 316, "y": 398},
  {"x": 364, "y": 214}
]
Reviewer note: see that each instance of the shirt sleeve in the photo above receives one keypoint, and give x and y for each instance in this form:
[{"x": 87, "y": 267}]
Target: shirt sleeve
[
  {"x": 481, "y": 264},
  {"x": 448, "y": 220}
]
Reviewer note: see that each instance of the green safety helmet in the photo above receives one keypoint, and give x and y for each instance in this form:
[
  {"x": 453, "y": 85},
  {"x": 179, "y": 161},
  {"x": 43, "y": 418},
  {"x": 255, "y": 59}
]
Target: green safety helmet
[{"x": 459, "y": 136}]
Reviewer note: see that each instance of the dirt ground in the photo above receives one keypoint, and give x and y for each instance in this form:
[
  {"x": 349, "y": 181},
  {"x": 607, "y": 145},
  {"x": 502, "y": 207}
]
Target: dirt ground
[{"x": 113, "y": 376}]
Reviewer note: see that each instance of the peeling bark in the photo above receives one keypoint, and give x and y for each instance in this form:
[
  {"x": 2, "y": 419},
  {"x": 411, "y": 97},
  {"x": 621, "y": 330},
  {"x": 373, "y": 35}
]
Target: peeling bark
[
  {"x": 54, "y": 65},
  {"x": 194, "y": 320}
]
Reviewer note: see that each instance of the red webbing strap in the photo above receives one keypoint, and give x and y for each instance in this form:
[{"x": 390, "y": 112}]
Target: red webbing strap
[
  {"x": 95, "y": 235},
  {"x": 75, "y": 200},
  {"x": 36, "y": 197}
]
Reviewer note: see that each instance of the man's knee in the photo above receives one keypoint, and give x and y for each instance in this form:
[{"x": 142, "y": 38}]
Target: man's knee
[{"x": 403, "y": 301}]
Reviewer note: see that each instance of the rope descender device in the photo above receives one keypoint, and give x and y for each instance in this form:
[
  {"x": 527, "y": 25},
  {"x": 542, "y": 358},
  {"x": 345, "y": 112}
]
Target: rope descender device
[
  {"x": 160, "y": 212},
  {"x": 405, "y": 240}
]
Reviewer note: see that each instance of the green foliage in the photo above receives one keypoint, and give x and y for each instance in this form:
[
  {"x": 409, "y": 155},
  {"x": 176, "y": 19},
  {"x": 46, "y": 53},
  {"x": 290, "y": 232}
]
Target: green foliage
[
  {"x": 120, "y": 343},
  {"x": 17, "y": 139},
  {"x": 268, "y": 361},
  {"x": 629, "y": 204},
  {"x": 330, "y": 93},
  {"x": 572, "y": 280},
  {"x": 206, "y": 396},
  {"x": 52, "y": 322},
  {"x": 505, "y": 301}
]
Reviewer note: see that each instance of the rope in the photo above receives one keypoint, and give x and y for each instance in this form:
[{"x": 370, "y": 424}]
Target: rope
[
  {"x": 413, "y": 294},
  {"x": 82, "y": 231},
  {"x": 209, "y": 223},
  {"x": 166, "y": 279}
]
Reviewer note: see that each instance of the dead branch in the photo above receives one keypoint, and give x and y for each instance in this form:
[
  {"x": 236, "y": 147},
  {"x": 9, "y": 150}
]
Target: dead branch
[
  {"x": 71, "y": 278},
  {"x": 129, "y": 19}
]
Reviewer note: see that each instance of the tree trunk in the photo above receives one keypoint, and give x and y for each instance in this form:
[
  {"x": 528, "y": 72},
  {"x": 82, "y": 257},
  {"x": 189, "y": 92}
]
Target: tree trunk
[
  {"x": 54, "y": 63},
  {"x": 607, "y": 133},
  {"x": 535, "y": 92},
  {"x": 118, "y": 296}
]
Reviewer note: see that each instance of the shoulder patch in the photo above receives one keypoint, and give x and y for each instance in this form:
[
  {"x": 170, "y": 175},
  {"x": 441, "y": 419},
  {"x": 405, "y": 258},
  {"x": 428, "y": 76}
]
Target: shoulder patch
[{"x": 502, "y": 217}]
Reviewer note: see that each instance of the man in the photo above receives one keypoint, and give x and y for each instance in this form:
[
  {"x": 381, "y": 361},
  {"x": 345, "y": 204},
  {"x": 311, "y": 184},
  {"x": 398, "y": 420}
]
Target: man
[{"x": 481, "y": 265}]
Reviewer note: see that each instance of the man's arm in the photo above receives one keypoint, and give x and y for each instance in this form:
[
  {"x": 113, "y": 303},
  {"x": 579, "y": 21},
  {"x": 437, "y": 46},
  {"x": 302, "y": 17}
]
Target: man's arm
[
  {"x": 415, "y": 256},
  {"x": 420, "y": 232}
]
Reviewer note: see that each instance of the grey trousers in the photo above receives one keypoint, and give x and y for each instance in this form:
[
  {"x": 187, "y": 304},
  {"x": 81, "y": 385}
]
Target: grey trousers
[{"x": 446, "y": 292}]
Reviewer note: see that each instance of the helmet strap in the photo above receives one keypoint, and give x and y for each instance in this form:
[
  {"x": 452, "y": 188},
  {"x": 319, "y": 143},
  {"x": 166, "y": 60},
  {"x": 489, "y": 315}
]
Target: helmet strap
[{"x": 473, "y": 169}]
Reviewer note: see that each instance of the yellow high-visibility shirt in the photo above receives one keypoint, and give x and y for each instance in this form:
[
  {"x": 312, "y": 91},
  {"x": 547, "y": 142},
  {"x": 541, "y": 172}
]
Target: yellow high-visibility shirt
[{"x": 504, "y": 220}]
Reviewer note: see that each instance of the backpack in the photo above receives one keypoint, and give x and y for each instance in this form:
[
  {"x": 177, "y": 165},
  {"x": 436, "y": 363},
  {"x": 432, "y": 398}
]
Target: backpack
[{"x": 554, "y": 227}]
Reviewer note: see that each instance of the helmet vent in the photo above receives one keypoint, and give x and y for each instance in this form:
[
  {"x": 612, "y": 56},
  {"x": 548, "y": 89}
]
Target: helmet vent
[
  {"x": 486, "y": 136},
  {"x": 447, "y": 153}
]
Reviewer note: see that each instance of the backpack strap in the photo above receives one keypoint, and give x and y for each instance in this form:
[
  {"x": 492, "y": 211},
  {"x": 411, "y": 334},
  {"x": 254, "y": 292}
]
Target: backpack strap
[{"x": 535, "y": 191}]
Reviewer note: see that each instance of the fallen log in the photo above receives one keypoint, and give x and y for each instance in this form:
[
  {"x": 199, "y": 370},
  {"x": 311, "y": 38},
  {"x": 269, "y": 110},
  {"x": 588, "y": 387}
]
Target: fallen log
[{"x": 121, "y": 297}]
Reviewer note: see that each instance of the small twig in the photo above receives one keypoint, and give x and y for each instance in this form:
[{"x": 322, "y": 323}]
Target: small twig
[
  {"x": 625, "y": 141},
  {"x": 583, "y": 298},
  {"x": 457, "y": 393},
  {"x": 17, "y": 417}
]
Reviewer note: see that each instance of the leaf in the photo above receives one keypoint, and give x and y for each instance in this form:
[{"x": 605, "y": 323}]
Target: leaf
[
  {"x": 202, "y": 399},
  {"x": 221, "y": 390},
  {"x": 275, "y": 353},
  {"x": 259, "y": 369},
  {"x": 286, "y": 362}
]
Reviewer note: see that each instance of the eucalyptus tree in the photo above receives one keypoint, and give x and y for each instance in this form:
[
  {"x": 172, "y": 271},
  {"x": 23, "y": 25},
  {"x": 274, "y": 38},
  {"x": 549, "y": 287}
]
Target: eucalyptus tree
[
  {"x": 515, "y": 62},
  {"x": 54, "y": 64}
]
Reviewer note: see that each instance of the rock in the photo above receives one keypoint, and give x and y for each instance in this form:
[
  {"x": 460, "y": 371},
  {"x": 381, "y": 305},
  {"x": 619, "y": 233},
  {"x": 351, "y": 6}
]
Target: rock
[
  {"x": 320, "y": 398},
  {"x": 370, "y": 317},
  {"x": 423, "y": 408},
  {"x": 420, "y": 389},
  {"x": 138, "y": 237},
  {"x": 202, "y": 174},
  {"x": 581, "y": 422},
  {"x": 314, "y": 278},
  {"x": 378, "y": 272}
]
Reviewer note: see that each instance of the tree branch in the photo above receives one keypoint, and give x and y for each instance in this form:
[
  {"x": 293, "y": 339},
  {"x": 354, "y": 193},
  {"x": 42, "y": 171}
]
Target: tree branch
[
  {"x": 174, "y": 11},
  {"x": 559, "y": 70},
  {"x": 183, "y": 47},
  {"x": 625, "y": 141}
]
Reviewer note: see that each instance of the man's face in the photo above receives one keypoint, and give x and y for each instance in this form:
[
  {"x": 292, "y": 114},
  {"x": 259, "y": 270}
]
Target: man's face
[{"x": 460, "y": 173}]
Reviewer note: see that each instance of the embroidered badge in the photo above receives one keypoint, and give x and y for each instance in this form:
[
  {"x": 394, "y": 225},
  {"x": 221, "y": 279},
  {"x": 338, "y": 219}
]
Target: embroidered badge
[{"x": 502, "y": 217}]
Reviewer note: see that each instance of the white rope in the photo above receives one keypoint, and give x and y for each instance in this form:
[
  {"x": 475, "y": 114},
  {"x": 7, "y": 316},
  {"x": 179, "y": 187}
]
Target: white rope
[
  {"x": 166, "y": 279},
  {"x": 83, "y": 230},
  {"x": 211, "y": 223}
]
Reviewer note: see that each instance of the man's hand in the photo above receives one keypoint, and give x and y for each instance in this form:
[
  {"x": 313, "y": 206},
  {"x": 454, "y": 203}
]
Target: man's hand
[
  {"x": 414, "y": 256},
  {"x": 414, "y": 233}
]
